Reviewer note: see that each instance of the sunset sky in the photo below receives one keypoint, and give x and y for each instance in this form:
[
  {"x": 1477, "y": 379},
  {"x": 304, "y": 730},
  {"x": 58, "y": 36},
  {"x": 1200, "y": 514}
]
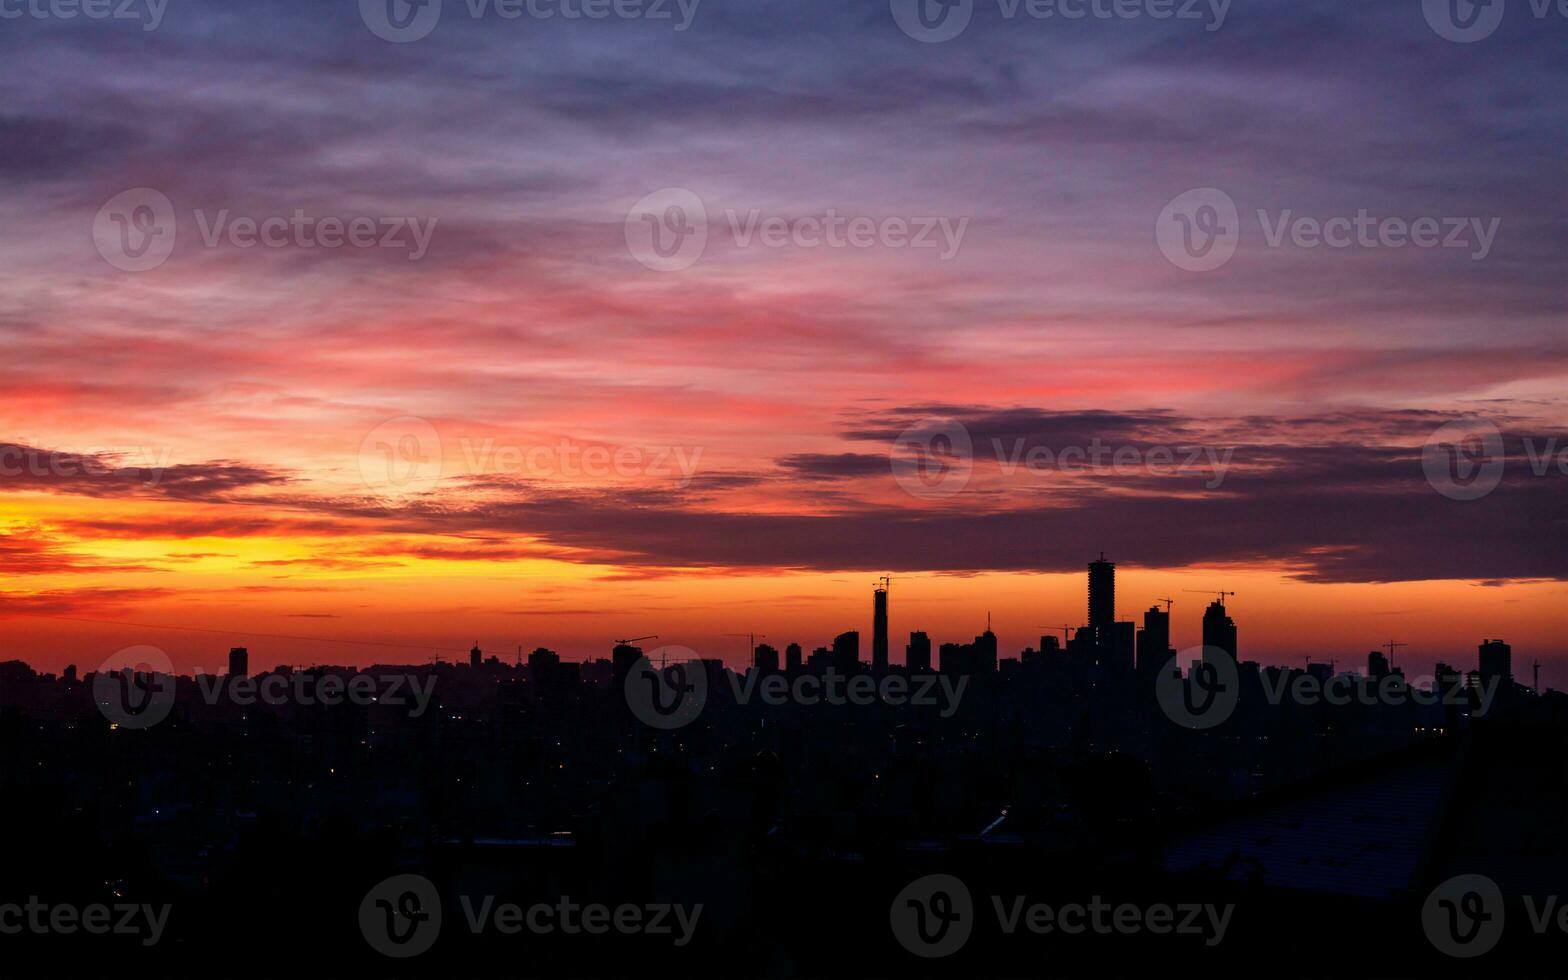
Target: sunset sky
[{"x": 290, "y": 446}]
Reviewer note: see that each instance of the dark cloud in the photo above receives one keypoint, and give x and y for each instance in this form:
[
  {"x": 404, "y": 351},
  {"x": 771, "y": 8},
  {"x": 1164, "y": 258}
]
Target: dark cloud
[{"x": 107, "y": 475}]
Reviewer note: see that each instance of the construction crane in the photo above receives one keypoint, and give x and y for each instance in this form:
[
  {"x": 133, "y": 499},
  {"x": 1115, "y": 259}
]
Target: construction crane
[
  {"x": 627, "y": 643},
  {"x": 1169, "y": 603},
  {"x": 1217, "y": 592},
  {"x": 752, "y": 639},
  {"x": 1391, "y": 646}
]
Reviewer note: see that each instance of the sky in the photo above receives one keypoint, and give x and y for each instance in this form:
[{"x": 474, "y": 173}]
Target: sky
[{"x": 696, "y": 320}]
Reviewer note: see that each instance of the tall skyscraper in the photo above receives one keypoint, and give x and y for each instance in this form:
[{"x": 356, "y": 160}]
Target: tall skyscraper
[
  {"x": 475, "y": 657},
  {"x": 767, "y": 659},
  {"x": 917, "y": 655},
  {"x": 879, "y": 629},
  {"x": 792, "y": 658},
  {"x": 1102, "y": 595},
  {"x": 1219, "y": 631},
  {"x": 846, "y": 652},
  {"x": 1497, "y": 660},
  {"x": 239, "y": 662},
  {"x": 1154, "y": 641}
]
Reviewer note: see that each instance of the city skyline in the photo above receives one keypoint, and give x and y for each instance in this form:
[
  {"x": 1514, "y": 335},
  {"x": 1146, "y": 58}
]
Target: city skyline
[{"x": 1104, "y": 610}]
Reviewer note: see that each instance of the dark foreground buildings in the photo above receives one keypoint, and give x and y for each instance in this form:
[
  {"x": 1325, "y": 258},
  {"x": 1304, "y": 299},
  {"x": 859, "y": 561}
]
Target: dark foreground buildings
[{"x": 1055, "y": 779}]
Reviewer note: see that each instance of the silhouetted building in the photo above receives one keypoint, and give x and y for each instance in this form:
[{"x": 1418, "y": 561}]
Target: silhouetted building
[
  {"x": 1154, "y": 642},
  {"x": 1496, "y": 661},
  {"x": 917, "y": 655},
  {"x": 239, "y": 662},
  {"x": 624, "y": 657},
  {"x": 985, "y": 652},
  {"x": 766, "y": 657},
  {"x": 846, "y": 652},
  {"x": 1377, "y": 664},
  {"x": 792, "y": 658},
  {"x": 1102, "y": 595},
  {"x": 1219, "y": 631},
  {"x": 476, "y": 658},
  {"x": 879, "y": 630}
]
